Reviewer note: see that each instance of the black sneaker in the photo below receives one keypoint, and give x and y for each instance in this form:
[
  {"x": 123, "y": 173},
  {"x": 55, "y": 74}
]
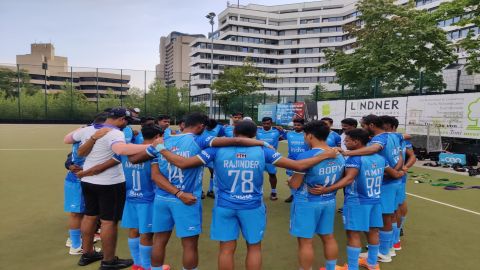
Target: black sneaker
[
  {"x": 116, "y": 263},
  {"x": 340, "y": 210},
  {"x": 211, "y": 194},
  {"x": 203, "y": 195},
  {"x": 273, "y": 196},
  {"x": 289, "y": 199},
  {"x": 89, "y": 258},
  {"x": 401, "y": 232}
]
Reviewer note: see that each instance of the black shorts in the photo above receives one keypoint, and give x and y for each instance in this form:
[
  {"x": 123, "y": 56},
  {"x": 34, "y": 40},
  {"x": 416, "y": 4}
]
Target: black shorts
[{"x": 104, "y": 201}]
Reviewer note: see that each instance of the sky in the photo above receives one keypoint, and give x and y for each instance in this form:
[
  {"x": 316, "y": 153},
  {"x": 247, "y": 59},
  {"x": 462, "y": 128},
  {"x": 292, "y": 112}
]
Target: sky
[{"x": 104, "y": 33}]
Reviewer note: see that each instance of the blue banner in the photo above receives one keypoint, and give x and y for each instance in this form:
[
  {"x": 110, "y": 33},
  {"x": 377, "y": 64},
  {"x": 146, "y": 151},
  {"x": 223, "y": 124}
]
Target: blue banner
[
  {"x": 449, "y": 158},
  {"x": 267, "y": 110}
]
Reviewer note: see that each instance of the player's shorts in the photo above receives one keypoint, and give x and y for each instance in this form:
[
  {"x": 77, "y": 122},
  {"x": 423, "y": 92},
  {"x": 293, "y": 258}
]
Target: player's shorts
[
  {"x": 138, "y": 216},
  {"x": 170, "y": 212},
  {"x": 310, "y": 218},
  {"x": 227, "y": 223},
  {"x": 362, "y": 217},
  {"x": 104, "y": 201},
  {"x": 388, "y": 197},
  {"x": 270, "y": 169},
  {"x": 73, "y": 198},
  {"x": 402, "y": 195}
]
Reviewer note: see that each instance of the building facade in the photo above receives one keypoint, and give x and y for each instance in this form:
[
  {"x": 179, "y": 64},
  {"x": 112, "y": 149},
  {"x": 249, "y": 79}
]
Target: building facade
[
  {"x": 174, "y": 67},
  {"x": 51, "y": 72},
  {"x": 287, "y": 43}
]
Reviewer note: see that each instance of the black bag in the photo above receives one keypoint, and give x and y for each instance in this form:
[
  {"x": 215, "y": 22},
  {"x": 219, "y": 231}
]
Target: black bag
[{"x": 472, "y": 160}]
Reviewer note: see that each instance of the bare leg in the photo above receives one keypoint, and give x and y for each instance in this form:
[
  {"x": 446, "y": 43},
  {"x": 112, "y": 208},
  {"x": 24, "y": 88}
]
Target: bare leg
[
  {"x": 305, "y": 253},
  {"x": 109, "y": 239},
  {"x": 372, "y": 237},
  {"x": 190, "y": 252},
  {"x": 254, "y": 256},
  {"x": 330, "y": 247},
  {"x": 88, "y": 227},
  {"x": 160, "y": 241},
  {"x": 75, "y": 221},
  {"x": 354, "y": 239},
  {"x": 273, "y": 180},
  {"x": 226, "y": 254}
]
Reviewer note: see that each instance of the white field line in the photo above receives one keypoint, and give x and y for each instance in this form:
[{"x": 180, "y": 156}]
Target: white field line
[{"x": 446, "y": 204}]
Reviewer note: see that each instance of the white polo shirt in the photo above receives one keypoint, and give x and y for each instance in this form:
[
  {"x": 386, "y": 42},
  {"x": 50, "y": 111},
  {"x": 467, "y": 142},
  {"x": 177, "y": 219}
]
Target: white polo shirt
[{"x": 101, "y": 152}]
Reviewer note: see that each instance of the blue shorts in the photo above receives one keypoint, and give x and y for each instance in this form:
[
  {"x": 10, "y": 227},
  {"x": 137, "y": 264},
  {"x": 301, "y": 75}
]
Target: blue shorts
[
  {"x": 389, "y": 197},
  {"x": 402, "y": 194},
  {"x": 362, "y": 217},
  {"x": 271, "y": 169},
  {"x": 170, "y": 212},
  {"x": 310, "y": 218},
  {"x": 227, "y": 223},
  {"x": 138, "y": 216},
  {"x": 73, "y": 201}
]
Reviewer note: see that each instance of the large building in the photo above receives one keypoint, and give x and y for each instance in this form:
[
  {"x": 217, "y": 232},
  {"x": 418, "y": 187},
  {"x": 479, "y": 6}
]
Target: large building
[
  {"x": 174, "y": 67},
  {"x": 50, "y": 71},
  {"x": 287, "y": 43}
]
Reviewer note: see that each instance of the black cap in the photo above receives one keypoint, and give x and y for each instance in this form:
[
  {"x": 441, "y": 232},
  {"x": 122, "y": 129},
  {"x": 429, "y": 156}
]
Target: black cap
[{"x": 122, "y": 112}]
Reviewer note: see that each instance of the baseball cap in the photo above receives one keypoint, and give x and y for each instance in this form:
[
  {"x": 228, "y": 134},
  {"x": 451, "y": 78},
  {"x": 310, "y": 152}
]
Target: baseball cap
[{"x": 122, "y": 112}]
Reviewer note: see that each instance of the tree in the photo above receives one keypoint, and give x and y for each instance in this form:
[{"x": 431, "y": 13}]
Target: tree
[
  {"x": 469, "y": 12},
  {"x": 237, "y": 82},
  {"x": 394, "y": 44},
  {"x": 9, "y": 80}
]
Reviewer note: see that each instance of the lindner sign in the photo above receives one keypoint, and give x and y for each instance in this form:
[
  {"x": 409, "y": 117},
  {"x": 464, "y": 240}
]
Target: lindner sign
[{"x": 395, "y": 106}]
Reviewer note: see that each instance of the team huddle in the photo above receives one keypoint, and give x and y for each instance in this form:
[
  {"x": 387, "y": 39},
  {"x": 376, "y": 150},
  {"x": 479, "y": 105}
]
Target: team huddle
[{"x": 151, "y": 181}]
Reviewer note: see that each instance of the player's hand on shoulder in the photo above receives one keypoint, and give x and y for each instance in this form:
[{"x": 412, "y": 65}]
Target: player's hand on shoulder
[
  {"x": 157, "y": 141},
  {"x": 317, "y": 190},
  {"x": 188, "y": 198},
  {"x": 101, "y": 132},
  {"x": 332, "y": 152}
]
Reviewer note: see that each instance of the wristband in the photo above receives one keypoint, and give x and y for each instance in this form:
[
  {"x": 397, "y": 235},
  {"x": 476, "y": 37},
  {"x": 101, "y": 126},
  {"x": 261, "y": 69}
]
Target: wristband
[
  {"x": 266, "y": 144},
  {"x": 160, "y": 147},
  {"x": 151, "y": 151}
]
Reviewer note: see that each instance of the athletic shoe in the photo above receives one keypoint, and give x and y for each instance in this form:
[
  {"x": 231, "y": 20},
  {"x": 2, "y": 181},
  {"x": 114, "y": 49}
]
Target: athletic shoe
[
  {"x": 401, "y": 232},
  {"x": 79, "y": 250},
  {"x": 273, "y": 196},
  {"x": 384, "y": 258},
  {"x": 96, "y": 237},
  {"x": 363, "y": 263},
  {"x": 89, "y": 258},
  {"x": 137, "y": 267},
  {"x": 289, "y": 199},
  {"x": 392, "y": 252},
  {"x": 337, "y": 267},
  {"x": 166, "y": 267},
  {"x": 68, "y": 243},
  {"x": 397, "y": 246},
  {"x": 211, "y": 194},
  {"x": 116, "y": 263},
  {"x": 340, "y": 210}
]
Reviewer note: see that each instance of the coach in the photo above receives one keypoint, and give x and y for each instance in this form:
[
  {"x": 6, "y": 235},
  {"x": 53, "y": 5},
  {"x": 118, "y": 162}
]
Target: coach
[{"x": 104, "y": 193}]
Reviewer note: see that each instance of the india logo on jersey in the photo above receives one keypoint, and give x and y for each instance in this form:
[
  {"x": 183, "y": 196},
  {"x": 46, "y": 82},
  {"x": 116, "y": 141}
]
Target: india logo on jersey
[{"x": 241, "y": 155}]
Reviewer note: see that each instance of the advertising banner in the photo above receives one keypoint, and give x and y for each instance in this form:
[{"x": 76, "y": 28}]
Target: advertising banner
[
  {"x": 395, "y": 106},
  {"x": 334, "y": 109},
  {"x": 455, "y": 115},
  {"x": 287, "y": 112},
  {"x": 267, "y": 110}
]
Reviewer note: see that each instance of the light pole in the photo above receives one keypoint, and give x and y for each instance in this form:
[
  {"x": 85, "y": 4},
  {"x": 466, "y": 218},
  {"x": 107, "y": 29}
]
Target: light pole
[{"x": 211, "y": 16}]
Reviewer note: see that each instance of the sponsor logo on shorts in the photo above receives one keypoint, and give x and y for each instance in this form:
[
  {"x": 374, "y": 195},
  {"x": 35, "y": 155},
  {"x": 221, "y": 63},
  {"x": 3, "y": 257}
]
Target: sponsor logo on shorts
[{"x": 191, "y": 228}]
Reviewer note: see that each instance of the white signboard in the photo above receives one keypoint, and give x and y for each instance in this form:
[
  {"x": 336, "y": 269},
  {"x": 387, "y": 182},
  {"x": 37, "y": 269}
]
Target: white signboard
[
  {"x": 395, "y": 106},
  {"x": 456, "y": 115},
  {"x": 334, "y": 109}
]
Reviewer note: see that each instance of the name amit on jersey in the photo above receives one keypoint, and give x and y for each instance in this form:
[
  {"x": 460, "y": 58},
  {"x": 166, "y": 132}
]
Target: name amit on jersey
[{"x": 374, "y": 172}]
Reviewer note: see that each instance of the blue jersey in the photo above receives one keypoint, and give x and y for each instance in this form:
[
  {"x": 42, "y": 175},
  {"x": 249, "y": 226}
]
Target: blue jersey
[
  {"x": 76, "y": 159},
  {"x": 271, "y": 136},
  {"x": 365, "y": 188},
  {"x": 216, "y": 132},
  {"x": 325, "y": 173},
  {"x": 138, "y": 139},
  {"x": 333, "y": 139},
  {"x": 228, "y": 131},
  {"x": 296, "y": 144},
  {"x": 239, "y": 174},
  {"x": 188, "y": 180},
  {"x": 406, "y": 144},
  {"x": 128, "y": 132},
  {"x": 138, "y": 180},
  {"x": 390, "y": 144},
  {"x": 167, "y": 133}
]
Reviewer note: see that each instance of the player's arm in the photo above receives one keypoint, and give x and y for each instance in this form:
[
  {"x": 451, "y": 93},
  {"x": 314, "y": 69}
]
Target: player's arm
[
  {"x": 97, "y": 169},
  {"x": 181, "y": 162},
  {"x": 348, "y": 178},
  {"x": 364, "y": 151},
  {"x": 86, "y": 147},
  {"x": 124, "y": 149},
  {"x": 394, "y": 173},
  {"x": 411, "y": 159},
  {"x": 304, "y": 164},
  {"x": 406, "y": 136},
  {"x": 163, "y": 183},
  {"x": 400, "y": 163},
  {"x": 296, "y": 180},
  {"x": 68, "y": 139}
]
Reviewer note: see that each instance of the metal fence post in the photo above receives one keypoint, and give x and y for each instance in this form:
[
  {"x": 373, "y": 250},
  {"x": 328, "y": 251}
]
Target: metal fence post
[
  {"x": 343, "y": 90},
  {"x": 18, "y": 92},
  {"x": 96, "y": 86},
  {"x": 121, "y": 87},
  {"x": 71, "y": 92},
  {"x": 316, "y": 92},
  {"x": 278, "y": 96},
  {"x": 145, "y": 93},
  {"x": 45, "y": 66}
]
